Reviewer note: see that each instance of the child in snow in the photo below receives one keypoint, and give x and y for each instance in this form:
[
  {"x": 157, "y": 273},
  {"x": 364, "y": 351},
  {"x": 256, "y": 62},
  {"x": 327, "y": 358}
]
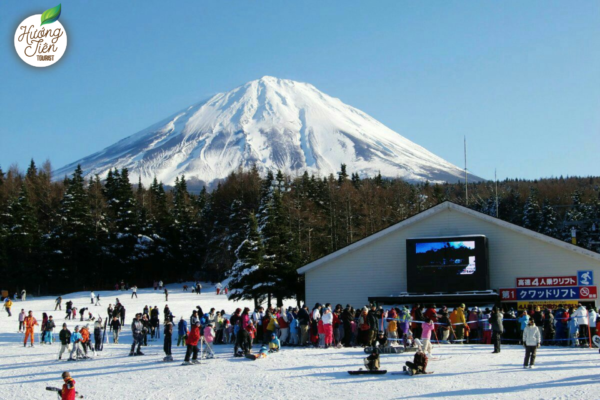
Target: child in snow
[
  {"x": 261, "y": 354},
  {"x": 321, "y": 332},
  {"x": 274, "y": 344},
  {"x": 208, "y": 338},
  {"x": 372, "y": 361},
  {"x": 229, "y": 331},
  {"x": 251, "y": 331},
  {"x": 418, "y": 365}
]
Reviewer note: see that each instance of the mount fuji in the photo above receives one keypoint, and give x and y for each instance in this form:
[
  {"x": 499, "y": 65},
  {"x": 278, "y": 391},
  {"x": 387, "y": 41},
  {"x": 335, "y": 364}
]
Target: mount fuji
[{"x": 273, "y": 124}]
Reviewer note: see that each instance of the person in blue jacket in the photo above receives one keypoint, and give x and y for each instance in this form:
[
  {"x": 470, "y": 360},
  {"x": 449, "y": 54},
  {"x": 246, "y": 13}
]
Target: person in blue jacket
[
  {"x": 274, "y": 344},
  {"x": 76, "y": 339},
  {"x": 182, "y": 329},
  {"x": 524, "y": 320}
]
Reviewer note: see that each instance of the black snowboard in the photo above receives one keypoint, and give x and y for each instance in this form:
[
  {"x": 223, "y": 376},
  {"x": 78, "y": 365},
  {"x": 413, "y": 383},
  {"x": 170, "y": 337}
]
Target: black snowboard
[
  {"x": 385, "y": 350},
  {"x": 367, "y": 372}
]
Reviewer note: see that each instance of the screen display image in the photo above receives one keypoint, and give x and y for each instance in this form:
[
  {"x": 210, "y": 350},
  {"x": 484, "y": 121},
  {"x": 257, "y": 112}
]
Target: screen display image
[
  {"x": 447, "y": 264},
  {"x": 458, "y": 256}
]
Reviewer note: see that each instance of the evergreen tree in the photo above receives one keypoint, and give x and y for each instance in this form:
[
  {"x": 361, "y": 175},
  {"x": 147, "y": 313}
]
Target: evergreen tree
[
  {"x": 532, "y": 213},
  {"x": 247, "y": 274},
  {"x": 549, "y": 222}
]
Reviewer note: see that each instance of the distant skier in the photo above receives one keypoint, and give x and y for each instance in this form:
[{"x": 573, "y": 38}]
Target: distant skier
[
  {"x": 92, "y": 297},
  {"x": 23, "y": 295},
  {"x": 7, "y": 305},
  {"x": 134, "y": 291},
  {"x": 69, "y": 306},
  {"x": 30, "y": 322},
  {"x": 98, "y": 300},
  {"x": 58, "y": 303},
  {"x": 218, "y": 287},
  {"x": 166, "y": 294}
]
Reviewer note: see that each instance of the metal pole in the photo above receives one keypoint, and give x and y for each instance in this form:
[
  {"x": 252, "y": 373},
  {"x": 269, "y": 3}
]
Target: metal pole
[
  {"x": 466, "y": 176},
  {"x": 496, "y": 179}
]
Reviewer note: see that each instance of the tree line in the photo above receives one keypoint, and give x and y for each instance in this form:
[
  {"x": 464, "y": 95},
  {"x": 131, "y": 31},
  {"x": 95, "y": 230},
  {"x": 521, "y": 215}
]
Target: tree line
[{"x": 81, "y": 234}]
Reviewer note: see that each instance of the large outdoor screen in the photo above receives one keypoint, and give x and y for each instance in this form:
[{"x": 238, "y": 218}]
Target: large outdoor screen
[{"x": 447, "y": 264}]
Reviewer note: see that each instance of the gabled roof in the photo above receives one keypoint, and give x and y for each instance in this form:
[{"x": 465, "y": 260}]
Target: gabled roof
[{"x": 447, "y": 205}]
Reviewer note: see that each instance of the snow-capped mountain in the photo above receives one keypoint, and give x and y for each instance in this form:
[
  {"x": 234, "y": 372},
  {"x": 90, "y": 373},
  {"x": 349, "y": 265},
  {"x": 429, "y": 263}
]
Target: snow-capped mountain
[{"x": 275, "y": 124}]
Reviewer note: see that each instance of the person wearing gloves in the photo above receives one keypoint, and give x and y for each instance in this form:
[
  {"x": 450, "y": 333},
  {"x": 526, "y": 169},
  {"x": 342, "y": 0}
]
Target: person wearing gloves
[
  {"x": 137, "y": 330},
  {"x": 65, "y": 341},
  {"x": 531, "y": 342}
]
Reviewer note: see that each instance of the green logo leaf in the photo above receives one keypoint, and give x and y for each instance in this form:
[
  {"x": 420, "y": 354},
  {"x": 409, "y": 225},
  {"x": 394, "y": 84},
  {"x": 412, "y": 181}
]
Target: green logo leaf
[{"x": 51, "y": 15}]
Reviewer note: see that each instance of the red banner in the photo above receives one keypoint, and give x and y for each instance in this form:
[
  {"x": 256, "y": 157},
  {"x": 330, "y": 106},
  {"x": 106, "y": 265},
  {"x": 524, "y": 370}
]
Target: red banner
[
  {"x": 508, "y": 294},
  {"x": 550, "y": 281}
]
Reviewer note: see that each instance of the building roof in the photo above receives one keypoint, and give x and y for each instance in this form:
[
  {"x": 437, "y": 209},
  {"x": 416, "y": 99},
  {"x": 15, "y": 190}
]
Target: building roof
[{"x": 447, "y": 205}]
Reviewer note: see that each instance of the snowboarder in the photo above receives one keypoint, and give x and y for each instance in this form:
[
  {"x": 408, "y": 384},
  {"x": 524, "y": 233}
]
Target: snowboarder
[
  {"x": 531, "y": 342},
  {"x": 418, "y": 365},
  {"x": 372, "y": 361},
  {"x": 137, "y": 330}
]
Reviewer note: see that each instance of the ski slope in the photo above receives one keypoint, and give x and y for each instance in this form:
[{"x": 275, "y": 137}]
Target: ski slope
[{"x": 465, "y": 372}]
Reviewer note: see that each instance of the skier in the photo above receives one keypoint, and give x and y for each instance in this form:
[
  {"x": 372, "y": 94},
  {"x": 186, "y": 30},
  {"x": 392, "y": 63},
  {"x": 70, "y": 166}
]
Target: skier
[
  {"x": 98, "y": 300},
  {"x": 115, "y": 326},
  {"x": 168, "y": 341},
  {"x": 418, "y": 365},
  {"x": 85, "y": 340},
  {"x": 23, "y": 295},
  {"x": 531, "y": 342},
  {"x": 58, "y": 303},
  {"x": 68, "y": 391},
  {"x": 137, "y": 330},
  {"x": 134, "y": 291},
  {"x": 160, "y": 285},
  {"x": 65, "y": 341},
  {"x": 218, "y": 287},
  {"x": 166, "y": 294},
  {"x": 82, "y": 313},
  {"x": 30, "y": 322},
  {"x": 192, "y": 344},
  {"x": 92, "y": 297},
  {"x": 198, "y": 288},
  {"x": 22, "y": 320},
  {"x": 208, "y": 338},
  {"x": 76, "y": 342},
  {"x": 69, "y": 307}
]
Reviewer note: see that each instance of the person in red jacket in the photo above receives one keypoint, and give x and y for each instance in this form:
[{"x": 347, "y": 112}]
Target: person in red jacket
[
  {"x": 431, "y": 313},
  {"x": 68, "y": 390},
  {"x": 192, "y": 344}
]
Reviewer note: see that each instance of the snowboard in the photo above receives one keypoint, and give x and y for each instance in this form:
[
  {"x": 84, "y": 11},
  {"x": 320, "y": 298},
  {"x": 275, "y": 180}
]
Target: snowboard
[
  {"x": 596, "y": 340},
  {"x": 367, "y": 372},
  {"x": 57, "y": 390},
  {"x": 407, "y": 372},
  {"x": 385, "y": 350}
]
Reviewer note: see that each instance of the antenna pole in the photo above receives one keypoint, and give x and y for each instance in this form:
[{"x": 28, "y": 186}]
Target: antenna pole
[
  {"x": 466, "y": 176},
  {"x": 496, "y": 179}
]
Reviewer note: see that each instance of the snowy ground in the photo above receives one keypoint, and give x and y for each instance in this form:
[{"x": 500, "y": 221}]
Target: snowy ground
[{"x": 463, "y": 371}]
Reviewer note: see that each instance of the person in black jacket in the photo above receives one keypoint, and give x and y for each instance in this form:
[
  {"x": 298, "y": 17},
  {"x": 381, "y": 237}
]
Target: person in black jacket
[
  {"x": 243, "y": 342},
  {"x": 347, "y": 318},
  {"x": 115, "y": 326},
  {"x": 168, "y": 340},
  {"x": 65, "y": 341},
  {"x": 373, "y": 328},
  {"x": 50, "y": 325},
  {"x": 497, "y": 328},
  {"x": 303, "y": 322}
]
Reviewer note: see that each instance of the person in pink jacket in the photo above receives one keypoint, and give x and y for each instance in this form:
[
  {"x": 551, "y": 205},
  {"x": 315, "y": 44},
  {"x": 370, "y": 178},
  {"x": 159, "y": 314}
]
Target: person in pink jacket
[
  {"x": 208, "y": 339},
  {"x": 427, "y": 327}
]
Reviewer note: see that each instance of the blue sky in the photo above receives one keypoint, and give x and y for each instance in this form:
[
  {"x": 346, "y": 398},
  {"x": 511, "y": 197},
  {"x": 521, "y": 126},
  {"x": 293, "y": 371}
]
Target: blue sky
[{"x": 520, "y": 79}]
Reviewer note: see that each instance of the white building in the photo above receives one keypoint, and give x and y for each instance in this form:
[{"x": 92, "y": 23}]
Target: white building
[{"x": 376, "y": 266}]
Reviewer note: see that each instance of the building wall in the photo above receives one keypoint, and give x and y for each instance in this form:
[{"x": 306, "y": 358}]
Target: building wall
[{"x": 379, "y": 268}]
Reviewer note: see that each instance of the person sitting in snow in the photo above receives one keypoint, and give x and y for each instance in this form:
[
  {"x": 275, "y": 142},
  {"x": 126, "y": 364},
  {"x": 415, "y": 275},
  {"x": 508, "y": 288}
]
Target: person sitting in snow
[
  {"x": 418, "y": 365},
  {"x": 372, "y": 361},
  {"x": 274, "y": 344}
]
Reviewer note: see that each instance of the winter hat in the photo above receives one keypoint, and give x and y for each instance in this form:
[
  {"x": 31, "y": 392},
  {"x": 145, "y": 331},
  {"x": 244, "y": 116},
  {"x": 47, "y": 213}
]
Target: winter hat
[
  {"x": 273, "y": 334},
  {"x": 77, "y": 327},
  {"x": 463, "y": 305},
  {"x": 365, "y": 308}
]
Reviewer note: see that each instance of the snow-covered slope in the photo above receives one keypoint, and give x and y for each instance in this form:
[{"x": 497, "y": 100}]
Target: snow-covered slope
[{"x": 275, "y": 124}]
